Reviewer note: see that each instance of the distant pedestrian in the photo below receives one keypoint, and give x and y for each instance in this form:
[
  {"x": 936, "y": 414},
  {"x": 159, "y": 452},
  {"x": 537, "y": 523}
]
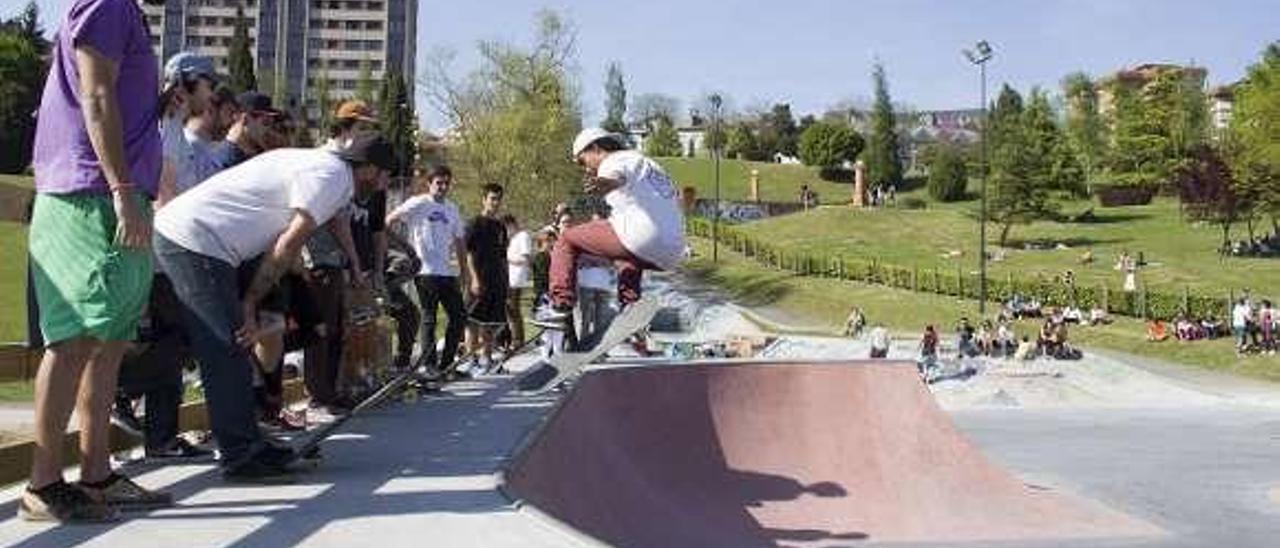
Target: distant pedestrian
[
  {"x": 879, "y": 338},
  {"x": 486, "y": 244}
]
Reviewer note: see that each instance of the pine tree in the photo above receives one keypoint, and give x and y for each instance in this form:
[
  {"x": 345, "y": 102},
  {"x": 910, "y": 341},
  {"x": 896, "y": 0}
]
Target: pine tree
[
  {"x": 883, "y": 156},
  {"x": 1055, "y": 164},
  {"x": 616, "y": 101},
  {"x": 240, "y": 56},
  {"x": 397, "y": 122},
  {"x": 1021, "y": 169},
  {"x": 1085, "y": 129}
]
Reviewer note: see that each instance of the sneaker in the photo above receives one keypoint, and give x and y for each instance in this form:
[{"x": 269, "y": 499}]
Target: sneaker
[
  {"x": 269, "y": 466},
  {"x": 123, "y": 417},
  {"x": 429, "y": 372},
  {"x": 121, "y": 492},
  {"x": 554, "y": 318},
  {"x": 63, "y": 503},
  {"x": 179, "y": 450}
]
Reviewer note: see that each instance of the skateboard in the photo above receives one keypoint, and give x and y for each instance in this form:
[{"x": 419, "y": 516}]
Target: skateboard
[
  {"x": 366, "y": 346},
  {"x": 549, "y": 375},
  {"x": 309, "y": 448}
]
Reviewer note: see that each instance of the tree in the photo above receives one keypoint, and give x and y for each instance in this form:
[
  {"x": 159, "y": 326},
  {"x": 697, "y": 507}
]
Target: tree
[
  {"x": 648, "y": 108},
  {"x": 778, "y": 133},
  {"x": 663, "y": 141},
  {"x": 364, "y": 83},
  {"x": 1055, "y": 164},
  {"x": 27, "y": 26},
  {"x": 1005, "y": 118},
  {"x": 829, "y": 145},
  {"x": 1254, "y": 135},
  {"x": 20, "y": 84},
  {"x": 616, "y": 102},
  {"x": 398, "y": 122},
  {"x": 1208, "y": 193},
  {"x": 240, "y": 58},
  {"x": 1017, "y": 192},
  {"x": 514, "y": 116},
  {"x": 324, "y": 105},
  {"x": 884, "y": 157},
  {"x": 1086, "y": 131},
  {"x": 1157, "y": 128},
  {"x": 741, "y": 143},
  {"x": 948, "y": 178}
]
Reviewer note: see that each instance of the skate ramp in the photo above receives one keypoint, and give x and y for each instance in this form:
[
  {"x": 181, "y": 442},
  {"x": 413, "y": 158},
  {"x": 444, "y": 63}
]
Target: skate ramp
[{"x": 764, "y": 454}]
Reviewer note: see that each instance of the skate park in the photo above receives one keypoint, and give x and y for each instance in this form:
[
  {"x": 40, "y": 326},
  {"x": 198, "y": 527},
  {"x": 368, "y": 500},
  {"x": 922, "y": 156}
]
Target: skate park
[{"x": 798, "y": 446}]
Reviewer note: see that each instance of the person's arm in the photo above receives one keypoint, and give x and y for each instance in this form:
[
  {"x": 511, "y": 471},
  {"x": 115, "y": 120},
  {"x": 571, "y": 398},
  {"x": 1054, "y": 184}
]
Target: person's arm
[
  {"x": 100, "y": 107},
  {"x": 599, "y": 186},
  {"x": 168, "y": 189},
  {"x": 340, "y": 227},
  {"x": 274, "y": 264}
]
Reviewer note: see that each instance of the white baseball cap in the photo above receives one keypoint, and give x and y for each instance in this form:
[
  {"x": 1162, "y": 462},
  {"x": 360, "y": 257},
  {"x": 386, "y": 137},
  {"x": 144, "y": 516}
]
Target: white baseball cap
[{"x": 589, "y": 136}]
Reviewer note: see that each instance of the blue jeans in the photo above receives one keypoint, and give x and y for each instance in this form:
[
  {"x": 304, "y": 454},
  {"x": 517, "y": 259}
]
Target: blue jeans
[{"x": 209, "y": 297}]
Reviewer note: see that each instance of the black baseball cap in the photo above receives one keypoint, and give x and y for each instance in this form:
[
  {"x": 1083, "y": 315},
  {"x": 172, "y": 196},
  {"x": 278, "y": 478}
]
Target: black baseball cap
[
  {"x": 369, "y": 148},
  {"x": 253, "y": 101}
]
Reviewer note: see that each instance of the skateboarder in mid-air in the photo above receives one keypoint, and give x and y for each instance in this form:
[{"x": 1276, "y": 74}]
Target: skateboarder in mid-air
[{"x": 645, "y": 230}]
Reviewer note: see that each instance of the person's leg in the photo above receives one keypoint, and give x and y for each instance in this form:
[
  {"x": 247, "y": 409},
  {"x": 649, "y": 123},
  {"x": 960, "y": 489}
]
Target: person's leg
[
  {"x": 591, "y": 238},
  {"x": 515, "y": 319},
  {"x": 406, "y": 316},
  {"x": 93, "y": 407},
  {"x": 56, "y": 386},
  {"x": 450, "y": 296},
  {"x": 208, "y": 292},
  {"x": 320, "y": 367},
  {"x": 428, "y": 295}
]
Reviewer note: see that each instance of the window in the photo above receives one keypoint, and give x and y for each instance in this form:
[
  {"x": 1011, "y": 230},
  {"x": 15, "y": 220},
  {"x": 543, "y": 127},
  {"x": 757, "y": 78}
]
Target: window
[
  {"x": 374, "y": 25},
  {"x": 375, "y": 6},
  {"x": 193, "y": 21},
  {"x": 331, "y": 24}
]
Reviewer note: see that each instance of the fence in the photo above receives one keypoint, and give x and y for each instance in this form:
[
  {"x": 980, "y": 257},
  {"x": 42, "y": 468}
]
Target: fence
[{"x": 1143, "y": 303}]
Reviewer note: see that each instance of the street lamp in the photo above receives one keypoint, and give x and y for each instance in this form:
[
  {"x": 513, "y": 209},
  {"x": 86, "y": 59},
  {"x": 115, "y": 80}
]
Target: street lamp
[
  {"x": 979, "y": 55},
  {"x": 715, "y": 155}
]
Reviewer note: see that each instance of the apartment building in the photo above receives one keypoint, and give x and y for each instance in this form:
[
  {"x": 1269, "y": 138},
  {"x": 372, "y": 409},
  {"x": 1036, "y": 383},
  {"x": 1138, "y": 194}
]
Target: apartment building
[{"x": 297, "y": 43}]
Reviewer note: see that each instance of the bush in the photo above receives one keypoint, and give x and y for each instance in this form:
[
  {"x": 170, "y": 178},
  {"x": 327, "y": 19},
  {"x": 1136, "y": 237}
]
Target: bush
[
  {"x": 827, "y": 145},
  {"x": 947, "y": 175}
]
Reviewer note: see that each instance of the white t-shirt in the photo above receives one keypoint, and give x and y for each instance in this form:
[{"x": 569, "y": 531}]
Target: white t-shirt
[
  {"x": 178, "y": 151},
  {"x": 1240, "y": 315},
  {"x": 434, "y": 231},
  {"x": 237, "y": 214},
  {"x": 880, "y": 338},
  {"x": 645, "y": 209},
  {"x": 520, "y": 250}
]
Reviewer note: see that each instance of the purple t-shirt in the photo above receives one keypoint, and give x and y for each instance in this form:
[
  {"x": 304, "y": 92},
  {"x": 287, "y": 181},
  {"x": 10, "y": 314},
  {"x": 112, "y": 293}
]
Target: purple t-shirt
[{"x": 64, "y": 159}]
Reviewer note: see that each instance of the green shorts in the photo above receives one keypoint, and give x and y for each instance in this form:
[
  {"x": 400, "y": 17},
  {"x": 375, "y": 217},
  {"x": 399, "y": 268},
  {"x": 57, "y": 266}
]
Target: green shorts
[{"x": 85, "y": 284}]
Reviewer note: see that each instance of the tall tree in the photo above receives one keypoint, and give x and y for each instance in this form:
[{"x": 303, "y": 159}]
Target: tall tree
[
  {"x": 514, "y": 116},
  {"x": 741, "y": 143},
  {"x": 397, "y": 122},
  {"x": 663, "y": 140},
  {"x": 883, "y": 156},
  {"x": 27, "y": 25},
  {"x": 1254, "y": 136},
  {"x": 778, "y": 133},
  {"x": 364, "y": 83},
  {"x": 1055, "y": 163},
  {"x": 1086, "y": 131},
  {"x": 1208, "y": 192},
  {"x": 240, "y": 56},
  {"x": 20, "y": 86},
  {"x": 1017, "y": 193},
  {"x": 829, "y": 145},
  {"x": 1143, "y": 152},
  {"x": 616, "y": 101}
]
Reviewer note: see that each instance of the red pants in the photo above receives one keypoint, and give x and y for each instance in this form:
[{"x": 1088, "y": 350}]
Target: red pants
[{"x": 593, "y": 238}]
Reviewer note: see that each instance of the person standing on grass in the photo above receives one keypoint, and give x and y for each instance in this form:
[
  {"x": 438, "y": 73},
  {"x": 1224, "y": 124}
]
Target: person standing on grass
[
  {"x": 1241, "y": 316},
  {"x": 436, "y": 232},
  {"x": 486, "y": 242},
  {"x": 519, "y": 255},
  {"x": 97, "y": 162},
  {"x": 264, "y": 210},
  {"x": 644, "y": 231}
]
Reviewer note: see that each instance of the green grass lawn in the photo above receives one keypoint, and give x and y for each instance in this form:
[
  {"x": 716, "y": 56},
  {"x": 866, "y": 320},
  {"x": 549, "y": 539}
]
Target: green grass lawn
[
  {"x": 13, "y": 272},
  {"x": 778, "y": 182},
  {"x": 827, "y": 302}
]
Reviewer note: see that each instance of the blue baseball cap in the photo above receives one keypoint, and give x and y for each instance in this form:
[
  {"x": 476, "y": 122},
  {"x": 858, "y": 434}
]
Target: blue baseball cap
[{"x": 185, "y": 65}]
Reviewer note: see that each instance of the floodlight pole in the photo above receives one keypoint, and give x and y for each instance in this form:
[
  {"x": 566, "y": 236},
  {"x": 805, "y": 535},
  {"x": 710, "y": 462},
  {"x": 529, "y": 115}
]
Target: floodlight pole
[
  {"x": 979, "y": 56},
  {"x": 715, "y": 155}
]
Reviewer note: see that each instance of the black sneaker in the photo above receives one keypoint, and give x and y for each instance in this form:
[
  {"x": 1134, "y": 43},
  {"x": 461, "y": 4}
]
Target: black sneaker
[
  {"x": 179, "y": 450},
  {"x": 262, "y": 470},
  {"x": 123, "y": 417}
]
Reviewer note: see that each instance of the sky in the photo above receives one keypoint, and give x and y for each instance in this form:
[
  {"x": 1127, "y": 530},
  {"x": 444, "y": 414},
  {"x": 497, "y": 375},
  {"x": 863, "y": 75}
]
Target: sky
[{"x": 814, "y": 54}]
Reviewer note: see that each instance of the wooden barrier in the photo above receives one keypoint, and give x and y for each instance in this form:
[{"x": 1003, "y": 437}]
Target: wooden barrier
[{"x": 15, "y": 202}]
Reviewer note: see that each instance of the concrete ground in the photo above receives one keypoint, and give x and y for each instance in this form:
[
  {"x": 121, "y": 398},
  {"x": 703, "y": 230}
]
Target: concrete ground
[{"x": 1202, "y": 464}]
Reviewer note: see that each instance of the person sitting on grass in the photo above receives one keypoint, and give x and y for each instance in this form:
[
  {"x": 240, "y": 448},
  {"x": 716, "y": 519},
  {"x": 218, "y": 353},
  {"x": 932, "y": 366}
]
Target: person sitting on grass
[
  {"x": 1026, "y": 350},
  {"x": 1006, "y": 341},
  {"x": 855, "y": 323},
  {"x": 1099, "y": 316},
  {"x": 1157, "y": 331},
  {"x": 1047, "y": 344},
  {"x": 928, "y": 348}
]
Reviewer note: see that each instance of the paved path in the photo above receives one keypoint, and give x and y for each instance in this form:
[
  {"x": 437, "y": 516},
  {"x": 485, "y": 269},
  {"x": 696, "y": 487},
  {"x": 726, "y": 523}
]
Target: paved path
[{"x": 407, "y": 474}]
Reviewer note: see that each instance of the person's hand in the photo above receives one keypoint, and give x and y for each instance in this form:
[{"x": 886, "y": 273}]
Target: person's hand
[
  {"x": 133, "y": 231},
  {"x": 597, "y": 185},
  {"x": 247, "y": 335},
  {"x": 474, "y": 287},
  {"x": 358, "y": 279}
]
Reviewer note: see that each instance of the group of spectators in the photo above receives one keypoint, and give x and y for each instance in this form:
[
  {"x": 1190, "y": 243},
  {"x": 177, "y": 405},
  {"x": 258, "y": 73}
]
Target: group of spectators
[{"x": 1265, "y": 246}]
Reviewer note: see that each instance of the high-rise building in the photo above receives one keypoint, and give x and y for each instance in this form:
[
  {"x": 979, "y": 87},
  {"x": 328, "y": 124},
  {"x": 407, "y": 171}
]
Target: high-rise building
[{"x": 297, "y": 43}]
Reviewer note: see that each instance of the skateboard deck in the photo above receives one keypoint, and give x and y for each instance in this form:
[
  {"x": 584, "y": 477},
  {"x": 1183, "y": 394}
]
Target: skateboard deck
[
  {"x": 308, "y": 447},
  {"x": 547, "y": 376}
]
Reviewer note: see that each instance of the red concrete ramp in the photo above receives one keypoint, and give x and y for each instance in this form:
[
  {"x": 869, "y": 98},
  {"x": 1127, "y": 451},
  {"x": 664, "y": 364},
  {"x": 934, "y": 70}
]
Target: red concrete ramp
[{"x": 768, "y": 454}]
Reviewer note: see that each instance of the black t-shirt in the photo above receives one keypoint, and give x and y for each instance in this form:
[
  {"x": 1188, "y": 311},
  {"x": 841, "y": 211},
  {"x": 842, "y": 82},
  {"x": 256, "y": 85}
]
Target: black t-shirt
[
  {"x": 368, "y": 217},
  {"x": 487, "y": 244}
]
